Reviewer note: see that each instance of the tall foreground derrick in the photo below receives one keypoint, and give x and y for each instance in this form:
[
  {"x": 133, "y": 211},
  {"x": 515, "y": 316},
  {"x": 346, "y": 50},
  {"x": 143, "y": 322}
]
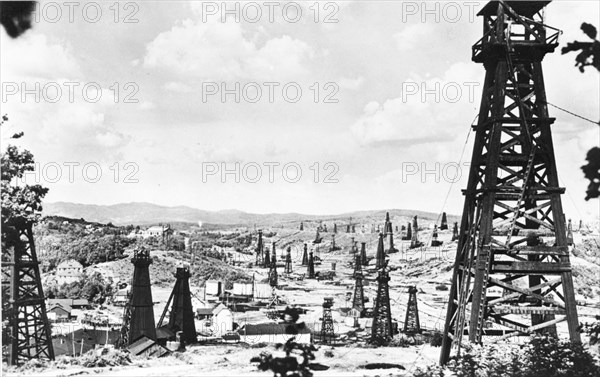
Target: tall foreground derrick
[
  {"x": 181, "y": 315},
  {"x": 139, "y": 311},
  {"x": 28, "y": 333},
  {"x": 512, "y": 197}
]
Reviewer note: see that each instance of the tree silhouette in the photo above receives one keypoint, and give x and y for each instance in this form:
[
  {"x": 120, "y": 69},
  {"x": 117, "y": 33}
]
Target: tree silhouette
[{"x": 590, "y": 51}]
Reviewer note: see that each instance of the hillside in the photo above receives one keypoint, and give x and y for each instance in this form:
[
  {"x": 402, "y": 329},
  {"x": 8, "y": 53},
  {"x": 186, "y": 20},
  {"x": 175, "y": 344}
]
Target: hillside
[{"x": 147, "y": 213}]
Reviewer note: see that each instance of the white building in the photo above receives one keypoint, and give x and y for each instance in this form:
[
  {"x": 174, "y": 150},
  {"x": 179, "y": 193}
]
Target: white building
[
  {"x": 217, "y": 320},
  {"x": 68, "y": 271},
  {"x": 153, "y": 231}
]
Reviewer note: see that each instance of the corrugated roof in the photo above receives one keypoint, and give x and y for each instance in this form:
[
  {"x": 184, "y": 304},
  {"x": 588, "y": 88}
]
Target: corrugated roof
[
  {"x": 268, "y": 328},
  {"x": 140, "y": 345}
]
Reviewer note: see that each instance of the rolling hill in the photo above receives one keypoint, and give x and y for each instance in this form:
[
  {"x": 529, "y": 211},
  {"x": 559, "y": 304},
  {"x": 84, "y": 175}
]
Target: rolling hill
[{"x": 148, "y": 213}]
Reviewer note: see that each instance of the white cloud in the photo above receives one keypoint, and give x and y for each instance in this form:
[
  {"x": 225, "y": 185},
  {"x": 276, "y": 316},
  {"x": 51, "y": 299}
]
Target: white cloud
[
  {"x": 351, "y": 83},
  {"x": 45, "y": 59},
  {"x": 426, "y": 111},
  {"x": 412, "y": 35},
  {"x": 177, "y": 87},
  {"x": 220, "y": 51}
]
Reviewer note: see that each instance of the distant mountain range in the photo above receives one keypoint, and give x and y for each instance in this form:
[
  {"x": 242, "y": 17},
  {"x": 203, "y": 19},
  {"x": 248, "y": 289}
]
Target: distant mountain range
[{"x": 148, "y": 213}]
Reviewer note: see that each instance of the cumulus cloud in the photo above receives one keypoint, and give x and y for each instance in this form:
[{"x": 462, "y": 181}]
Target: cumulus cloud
[
  {"x": 46, "y": 59},
  {"x": 411, "y": 35},
  {"x": 221, "y": 51},
  {"x": 427, "y": 110}
]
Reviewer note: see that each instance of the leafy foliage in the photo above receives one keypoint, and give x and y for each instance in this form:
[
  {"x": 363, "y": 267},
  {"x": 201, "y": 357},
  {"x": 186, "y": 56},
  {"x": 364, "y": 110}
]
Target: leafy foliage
[
  {"x": 92, "y": 288},
  {"x": 592, "y": 173},
  {"x": 543, "y": 356},
  {"x": 590, "y": 51}
]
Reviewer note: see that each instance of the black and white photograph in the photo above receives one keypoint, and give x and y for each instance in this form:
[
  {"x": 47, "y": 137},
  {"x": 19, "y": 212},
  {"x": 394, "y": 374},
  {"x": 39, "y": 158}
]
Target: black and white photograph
[{"x": 300, "y": 188}]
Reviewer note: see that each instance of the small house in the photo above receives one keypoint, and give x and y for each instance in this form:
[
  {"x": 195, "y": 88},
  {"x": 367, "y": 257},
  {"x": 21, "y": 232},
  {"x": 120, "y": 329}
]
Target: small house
[
  {"x": 59, "y": 313},
  {"x": 217, "y": 320}
]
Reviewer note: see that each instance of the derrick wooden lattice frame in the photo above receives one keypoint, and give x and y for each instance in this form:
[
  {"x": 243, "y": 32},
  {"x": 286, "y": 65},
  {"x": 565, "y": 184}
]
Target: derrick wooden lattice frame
[
  {"x": 28, "y": 333},
  {"x": 513, "y": 198}
]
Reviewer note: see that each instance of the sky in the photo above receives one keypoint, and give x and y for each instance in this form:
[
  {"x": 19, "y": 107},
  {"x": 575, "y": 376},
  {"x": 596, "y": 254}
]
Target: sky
[{"x": 272, "y": 107}]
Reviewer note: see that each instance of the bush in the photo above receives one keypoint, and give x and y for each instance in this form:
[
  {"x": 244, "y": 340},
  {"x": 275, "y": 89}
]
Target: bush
[
  {"x": 441, "y": 287},
  {"x": 436, "y": 339},
  {"x": 544, "y": 356}
]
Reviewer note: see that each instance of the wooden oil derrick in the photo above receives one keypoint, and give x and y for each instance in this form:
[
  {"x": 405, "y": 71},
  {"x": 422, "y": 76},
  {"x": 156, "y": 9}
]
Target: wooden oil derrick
[
  {"x": 333, "y": 246},
  {"x": 266, "y": 258},
  {"x": 387, "y": 227},
  {"x": 411, "y": 321},
  {"x": 512, "y": 192},
  {"x": 327, "y": 331},
  {"x": 380, "y": 256},
  {"x": 305, "y": 255},
  {"x": 381, "y": 331},
  {"x": 181, "y": 314},
  {"x": 138, "y": 319},
  {"x": 389, "y": 233},
  {"x": 259, "y": 250},
  {"x": 408, "y": 235},
  {"x": 288, "y": 260},
  {"x": 414, "y": 241},
  {"x": 347, "y": 228},
  {"x": 358, "y": 298},
  {"x": 310, "y": 270},
  {"x": 335, "y": 228},
  {"x": 301, "y": 225},
  {"x": 455, "y": 232},
  {"x": 353, "y": 228},
  {"x": 28, "y": 334},
  {"x": 444, "y": 224},
  {"x": 273, "y": 278},
  {"x": 318, "y": 238},
  {"x": 434, "y": 239},
  {"x": 570, "y": 234},
  {"x": 363, "y": 253}
]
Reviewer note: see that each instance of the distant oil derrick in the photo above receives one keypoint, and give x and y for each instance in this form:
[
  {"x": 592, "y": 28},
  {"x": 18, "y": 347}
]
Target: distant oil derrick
[
  {"x": 381, "y": 331},
  {"x": 23, "y": 308},
  {"x": 327, "y": 331},
  {"x": 363, "y": 254},
  {"x": 267, "y": 256},
  {"x": 301, "y": 225},
  {"x": 387, "y": 228},
  {"x": 380, "y": 256},
  {"x": 570, "y": 234},
  {"x": 444, "y": 224},
  {"x": 347, "y": 228},
  {"x": 411, "y": 321},
  {"x": 358, "y": 298},
  {"x": 414, "y": 241},
  {"x": 408, "y": 235},
  {"x": 434, "y": 239},
  {"x": 318, "y": 238},
  {"x": 181, "y": 314},
  {"x": 273, "y": 278},
  {"x": 139, "y": 312},
  {"x": 351, "y": 250},
  {"x": 288, "y": 260},
  {"x": 389, "y": 233},
  {"x": 305, "y": 255},
  {"x": 310, "y": 270},
  {"x": 259, "y": 250},
  {"x": 455, "y": 232},
  {"x": 333, "y": 247},
  {"x": 335, "y": 228}
]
